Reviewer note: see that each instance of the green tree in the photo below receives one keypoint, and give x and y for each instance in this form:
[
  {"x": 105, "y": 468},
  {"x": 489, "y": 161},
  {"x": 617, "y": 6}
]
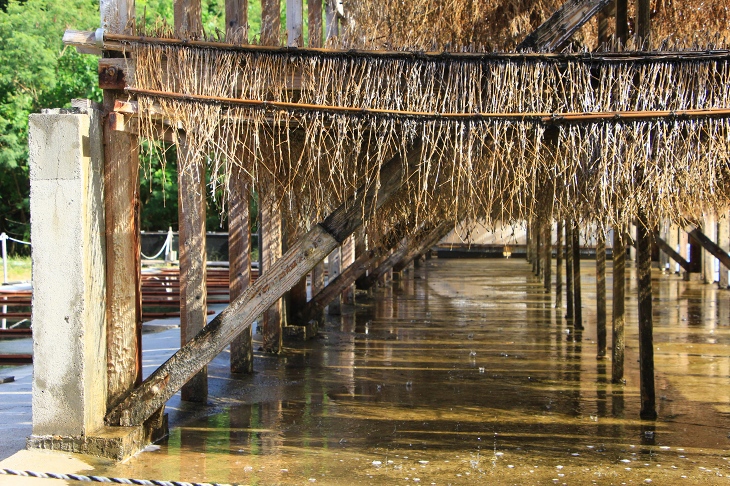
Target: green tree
[{"x": 36, "y": 71}]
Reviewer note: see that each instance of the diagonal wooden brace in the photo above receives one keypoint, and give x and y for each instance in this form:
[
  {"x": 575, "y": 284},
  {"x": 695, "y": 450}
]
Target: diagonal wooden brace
[
  {"x": 555, "y": 31},
  {"x": 664, "y": 246},
  {"x": 141, "y": 403},
  {"x": 709, "y": 245}
]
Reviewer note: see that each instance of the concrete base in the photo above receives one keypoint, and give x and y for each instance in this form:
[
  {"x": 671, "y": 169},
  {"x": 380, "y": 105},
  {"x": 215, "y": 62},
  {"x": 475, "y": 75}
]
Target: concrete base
[
  {"x": 301, "y": 333},
  {"x": 115, "y": 443}
]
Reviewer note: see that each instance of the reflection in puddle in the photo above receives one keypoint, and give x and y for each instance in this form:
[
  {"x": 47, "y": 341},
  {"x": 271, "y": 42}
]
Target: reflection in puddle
[{"x": 465, "y": 372}]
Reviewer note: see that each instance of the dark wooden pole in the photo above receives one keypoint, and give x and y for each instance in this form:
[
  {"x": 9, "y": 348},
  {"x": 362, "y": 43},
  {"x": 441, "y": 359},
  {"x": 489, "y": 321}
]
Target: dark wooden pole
[
  {"x": 270, "y": 247},
  {"x": 577, "y": 302},
  {"x": 237, "y": 21},
  {"x": 619, "y": 317},
  {"x": 601, "y": 293},
  {"x": 270, "y": 22},
  {"x": 547, "y": 255},
  {"x": 314, "y": 15},
  {"x": 569, "y": 268},
  {"x": 622, "y": 21},
  {"x": 643, "y": 23},
  {"x": 559, "y": 266},
  {"x": 646, "y": 338}
]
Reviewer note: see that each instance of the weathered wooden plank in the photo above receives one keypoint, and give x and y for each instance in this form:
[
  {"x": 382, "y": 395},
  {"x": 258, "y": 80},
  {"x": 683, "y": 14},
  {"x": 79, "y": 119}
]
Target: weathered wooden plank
[
  {"x": 302, "y": 256},
  {"x": 116, "y": 16},
  {"x": 314, "y": 16},
  {"x": 332, "y": 22},
  {"x": 270, "y": 248},
  {"x": 664, "y": 246},
  {"x": 239, "y": 257},
  {"x": 188, "y": 20},
  {"x": 294, "y": 23},
  {"x": 193, "y": 257},
  {"x": 618, "y": 314},
  {"x": 237, "y": 21},
  {"x": 557, "y": 30},
  {"x": 124, "y": 295},
  {"x": 419, "y": 247},
  {"x": 646, "y": 333},
  {"x": 270, "y": 22},
  {"x": 709, "y": 245},
  {"x": 601, "y": 294}
]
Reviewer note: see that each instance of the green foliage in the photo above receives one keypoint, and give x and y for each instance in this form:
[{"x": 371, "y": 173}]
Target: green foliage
[{"x": 36, "y": 72}]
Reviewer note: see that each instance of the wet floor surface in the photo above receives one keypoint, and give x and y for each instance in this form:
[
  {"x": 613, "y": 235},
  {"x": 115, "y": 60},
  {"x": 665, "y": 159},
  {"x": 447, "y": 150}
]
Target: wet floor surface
[{"x": 465, "y": 373}]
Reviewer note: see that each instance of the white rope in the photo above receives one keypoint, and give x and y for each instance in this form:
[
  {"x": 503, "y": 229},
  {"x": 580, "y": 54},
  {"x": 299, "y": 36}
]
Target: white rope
[
  {"x": 102, "y": 479},
  {"x": 167, "y": 245}
]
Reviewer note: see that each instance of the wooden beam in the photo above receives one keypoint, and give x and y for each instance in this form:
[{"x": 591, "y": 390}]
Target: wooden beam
[
  {"x": 709, "y": 229},
  {"x": 239, "y": 258},
  {"x": 188, "y": 20},
  {"x": 123, "y": 282},
  {"x": 332, "y": 22},
  {"x": 664, "y": 246},
  {"x": 723, "y": 241},
  {"x": 622, "y": 21},
  {"x": 116, "y": 16},
  {"x": 193, "y": 258},
  {"x": 709, "y": 245},
  {"x": 547, "y": 255},
  {"x": 270, "y": 22},
  {"x": 314, "y": 14},
  {"x": 643, "y": 23},
  {"x": 646, "y": 333},
  {"x": 619, "y": 314},
  {"x": 347, "y": 258},
  {"x": 559, "y": 266},
  {"x": 302, "y": 256},
  {"x": 601, "y": 293},
  {"x": 559, "y": 28},
  {"x": 237, "y": 21},
  {"x": 419, "y": 246},
  {"x": 294, "y": 23},
  {"x": 334, "y": 268},
  {"x": 270, "y": 248},
  {"x": 569, "y": 269},
  {"x": 577, "y": 300}
]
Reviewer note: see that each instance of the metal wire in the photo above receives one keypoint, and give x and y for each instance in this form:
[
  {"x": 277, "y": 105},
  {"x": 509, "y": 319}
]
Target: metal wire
[{"x": 103, "y": 479}]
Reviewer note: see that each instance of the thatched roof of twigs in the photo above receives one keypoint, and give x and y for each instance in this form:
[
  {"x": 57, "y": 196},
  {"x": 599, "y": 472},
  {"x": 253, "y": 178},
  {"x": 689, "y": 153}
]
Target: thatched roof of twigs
[{"x": 353, "y": 111}]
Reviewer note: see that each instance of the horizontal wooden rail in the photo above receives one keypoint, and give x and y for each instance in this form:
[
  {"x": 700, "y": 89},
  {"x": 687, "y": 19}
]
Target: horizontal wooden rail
[
  {"x": 546, "y": 118},
  {"x": 118, "y": 42}
]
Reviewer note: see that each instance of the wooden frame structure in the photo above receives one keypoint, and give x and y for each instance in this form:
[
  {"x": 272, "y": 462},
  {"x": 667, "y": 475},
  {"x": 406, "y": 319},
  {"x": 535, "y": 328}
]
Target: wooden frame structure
[{"x": 133, "y": 402}]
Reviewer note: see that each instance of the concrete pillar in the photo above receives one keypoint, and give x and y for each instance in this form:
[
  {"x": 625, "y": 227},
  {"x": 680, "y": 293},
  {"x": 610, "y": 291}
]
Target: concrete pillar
[
  {"x": 709, "y": 228},
  {"x": 69, "y": 286},
  {"x": 723, "y": 239}
]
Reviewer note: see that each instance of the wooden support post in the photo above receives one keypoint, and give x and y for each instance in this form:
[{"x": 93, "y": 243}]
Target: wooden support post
[
  {"x": 723, "y": 241},
  {"x": 684, "y": 250},
  {"x": 601, "y": 293},
  {"x": 560, "y": 27},
  {"x": 193, "y": 257},
  {"x": 547, "y": 255},
  {"x": 314, "y": 15},
  {"x": 270, "y": 22},
  {"x": 237, "y": 21},
  {"x": 559, "y": 265},
  {"x": 188, "y": 21},
  {"x": 270, "y": 248},
  {"x": 643, "y": 23},
  {"x": 663, "y": 233},
  {"x": 619, "y": 316},
  {"x": 191, "y": 220},
  {"x": 121, "y": 208},
  {"x": 164, "y": 382},
  {"x": 673, "y": 242},
  {"x": 604, "y": 19},
  {"x": 294, "y": 23},
  {"x": 709, "y": 229},
  {"x": 347, "y": 258},
  {"x": 419, "y": 246},
  {"x": 646, "y": 338},
  {"x": 239, "y": 257},
  {"x": 333, "y": 270},
  {"x": 123, "y": 282},
  {"x": 569, "y": 269},
  {"x": 332, "y": 23},
  {"x": 577, "y": 301},
  {"x": 622, "y": 21}
]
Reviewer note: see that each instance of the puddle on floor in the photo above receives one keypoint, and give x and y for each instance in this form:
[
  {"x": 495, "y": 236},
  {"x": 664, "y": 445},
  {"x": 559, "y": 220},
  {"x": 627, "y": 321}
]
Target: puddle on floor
[{"x": 463, "y": 373}]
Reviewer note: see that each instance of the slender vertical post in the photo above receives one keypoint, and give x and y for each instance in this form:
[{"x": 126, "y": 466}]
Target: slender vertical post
[
  {"x": 723, "y": 240},
  {"x": 547, "y": 256},
  {"x": 604, "y": 18},
  {"x": 237, "y": 21},
  {"x": 294, "y": 23},
  {"x": 622, "y": 21},
  {"x": 618, "y": 320},
  {"x": 334, "y": 269},
  {"x": 684, "y": 251},
  {"x": 643, "y": 23},
  {"x": 314, "y": 15},
  {"x": 191, "y": 220},
  {"x": 559, "y": 265},
  {"x": 239, "y": 256},
  {"x": 271, "y": 251},
  {"x": 646, "y": 338},
  {"x": 270, "y": 22},
  {"x": 347, "y": 253},
  {"x": 4, "y": 240},
  {"x": 577, "y": 302},
  {"x": 193, "y": 257},
  {"x": 121, "y": 208},
  {"x": 569, "y": 268},
  {"x": 601, "y": 293},
  {"x": 709, "y": 228},
  {"x": 332, "y": 26}
]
